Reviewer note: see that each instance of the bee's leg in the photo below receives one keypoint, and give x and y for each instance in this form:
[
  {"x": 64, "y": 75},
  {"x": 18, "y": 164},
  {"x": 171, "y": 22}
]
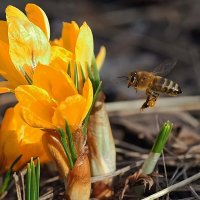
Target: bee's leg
[
  {"x": 150, "y": 100},
  {"x": 153, "y": 97}
]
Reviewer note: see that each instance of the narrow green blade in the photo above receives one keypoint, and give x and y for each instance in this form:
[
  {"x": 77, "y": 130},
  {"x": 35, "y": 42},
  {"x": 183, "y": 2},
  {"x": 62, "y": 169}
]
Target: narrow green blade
[
  {"x": 162, "y": 137},
  {"x": 33, "y": 181},
  {"x": 69, "y": 69},
  {"x": 28, "y": 182},
  {"x": 95, "y": 71},
  {"x": 90, "y": 74},
  {"x": 76, "y": 77},
  {"x": 38, "y": 178},
  {"x": 8, "y": 176},
  {"x": 71, "y": 142},
  {"x": 83, "y": 75},
  {"x": 6, "y": 181},
  {"x": 65, "y": 146}
]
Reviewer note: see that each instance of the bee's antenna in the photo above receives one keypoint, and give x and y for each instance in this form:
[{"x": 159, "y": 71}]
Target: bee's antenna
[{"x": 124, "y": 77}]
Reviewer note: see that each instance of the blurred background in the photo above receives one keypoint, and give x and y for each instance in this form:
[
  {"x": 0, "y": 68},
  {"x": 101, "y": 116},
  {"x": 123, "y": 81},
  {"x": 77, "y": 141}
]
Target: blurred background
[{"x": 138, "y": 34}]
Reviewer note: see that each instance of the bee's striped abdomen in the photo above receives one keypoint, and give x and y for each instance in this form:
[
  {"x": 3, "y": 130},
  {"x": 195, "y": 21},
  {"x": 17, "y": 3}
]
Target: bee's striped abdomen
[{"x": 166, "y": 86}]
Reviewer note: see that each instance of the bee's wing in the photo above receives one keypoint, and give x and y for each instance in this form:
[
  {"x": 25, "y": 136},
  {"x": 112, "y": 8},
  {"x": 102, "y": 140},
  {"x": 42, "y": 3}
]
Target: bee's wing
[{"x": 165, "y": 67}]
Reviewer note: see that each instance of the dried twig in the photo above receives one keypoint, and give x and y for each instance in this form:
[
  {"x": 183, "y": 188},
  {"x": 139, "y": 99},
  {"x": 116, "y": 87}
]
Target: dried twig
[
  {"x": 22, "y": 173},
  {"x": 168, "y": 104},
  {"x": 116, "y": 173},
  {"x": 17, "y": 185},
  {"x": 173, "y": 187},
  {"x": 47, "y": 196}
]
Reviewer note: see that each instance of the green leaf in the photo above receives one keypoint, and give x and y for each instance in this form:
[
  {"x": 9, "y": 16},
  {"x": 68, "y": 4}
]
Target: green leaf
[
  {"x": 6, "y": 181},
  {"x": 159, "y": 144},
  {"x": 162, "y": 137},
  {"x": 76, "y": 77},
  {"x": 69, "y": 69},
  {"x": 29, "y": 80},
  {"x": 15, "y": 161},
  {"x": 27, "y": 77},
  {"x": 38, "y": 178},
  {"x": 64, "y": 143},
  {"x": 28, "y": 182},
  {"x": 8, "y": 176},
  {"x": 95, "y": 71},
  {"x": 71, "y": 142},
  {"x": 90, "y": 74},
  {"x": 33, "y": 181},
  {"x": 93, "y": 74},
  {"x": 83, "y": 75}
]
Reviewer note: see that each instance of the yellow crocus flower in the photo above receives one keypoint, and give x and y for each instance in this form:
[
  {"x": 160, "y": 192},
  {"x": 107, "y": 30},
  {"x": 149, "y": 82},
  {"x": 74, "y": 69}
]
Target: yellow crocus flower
[
  {"x": 78, "y": 42},
  {"x": 23, "y": 44},
  {"x": 53, "y": 99},
  {"x": 17, "y": 138}
]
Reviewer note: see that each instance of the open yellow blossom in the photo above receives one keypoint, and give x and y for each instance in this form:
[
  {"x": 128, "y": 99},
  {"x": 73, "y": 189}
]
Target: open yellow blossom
[
  {"x": 53, "y": 99},
  {"x": 23, "y": 44},
  {"x": 17, "y": 138},
  {"x": 78, "y": 42}
]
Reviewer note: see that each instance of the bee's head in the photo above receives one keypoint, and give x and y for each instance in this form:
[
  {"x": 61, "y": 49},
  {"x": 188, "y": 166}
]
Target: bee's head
[{"x": 132, "y": 79}]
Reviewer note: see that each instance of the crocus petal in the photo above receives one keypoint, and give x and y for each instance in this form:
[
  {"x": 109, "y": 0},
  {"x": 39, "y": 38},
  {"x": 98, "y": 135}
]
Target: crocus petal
[
  {"x": 69, "y": 35},
  {"x": 101, "y": 57},
  {"x": 84, "y": 50},
  {"x": 57, "y": 83},
  {"x": 13, "y": 12},
  {"x": 17, "y": 138},
  {"x": 37, "y": 107},
  {"x": 5, "y": 87},
  {"x": 35, "y": 119},
  {"x": 88, "y": 94},
  {"x": 32, "y": 143},
  {"x": 7, "y": 69},
  {"x": 28, "y": 43},
  {"x": 9, "y": 149},
  {"x": 36, "y": 15},
  {"x": 13, "y": 146},
  {"x": 60, "y": 58},
  {"x": 7, "y": 122},
  {"x": 4, "y": 31},
  {"x": 70, "y": 110},
  {"x": 57, "y": 42}
]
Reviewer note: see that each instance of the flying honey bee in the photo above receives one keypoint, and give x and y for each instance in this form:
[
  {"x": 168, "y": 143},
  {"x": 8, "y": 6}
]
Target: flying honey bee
[{"x": 154, "y": 84}]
